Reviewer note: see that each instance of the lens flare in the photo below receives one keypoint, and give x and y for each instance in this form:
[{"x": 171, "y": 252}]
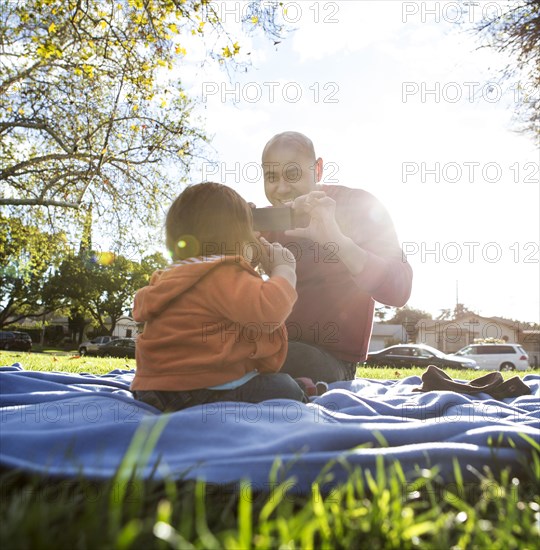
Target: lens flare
[
  {"x": 105, "y": 258},
  {"x": 189, "y": 246}
]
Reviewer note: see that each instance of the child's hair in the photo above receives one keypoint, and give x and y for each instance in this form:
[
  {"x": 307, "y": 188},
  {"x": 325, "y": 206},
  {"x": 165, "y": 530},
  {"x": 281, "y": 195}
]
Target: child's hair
[{"x": 208, "y": 218}]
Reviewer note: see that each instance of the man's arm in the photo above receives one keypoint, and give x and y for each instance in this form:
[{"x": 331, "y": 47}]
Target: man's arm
[
  {"x": 370, "y": 250},
  {"x": 387, "y": 279}
]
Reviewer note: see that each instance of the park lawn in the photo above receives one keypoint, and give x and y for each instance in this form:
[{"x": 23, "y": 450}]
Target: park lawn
[
  {"x": 55, "y": 361},
  {"x": 58, "y": 361},
  {"x": 380, "y": 510}
]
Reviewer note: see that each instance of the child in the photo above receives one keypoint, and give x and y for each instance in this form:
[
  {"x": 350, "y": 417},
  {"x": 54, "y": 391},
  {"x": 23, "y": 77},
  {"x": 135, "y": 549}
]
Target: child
[{"x": 214, "y": 329}]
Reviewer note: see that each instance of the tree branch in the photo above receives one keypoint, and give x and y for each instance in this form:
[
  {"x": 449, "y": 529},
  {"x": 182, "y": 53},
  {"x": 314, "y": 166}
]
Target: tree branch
[
  {"x": 39, "y": 202},
  {"x": 20, "y": 76},
  {"x": 12, "y": 170},
  {"x": 36, "y": 126}
]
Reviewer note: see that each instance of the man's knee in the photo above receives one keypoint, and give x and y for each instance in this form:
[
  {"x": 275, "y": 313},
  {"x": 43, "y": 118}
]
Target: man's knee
[
  {"x": 310, "y": 361},
  {"x": 305, "y": 353},
  {"x": 288, "y": 388}
]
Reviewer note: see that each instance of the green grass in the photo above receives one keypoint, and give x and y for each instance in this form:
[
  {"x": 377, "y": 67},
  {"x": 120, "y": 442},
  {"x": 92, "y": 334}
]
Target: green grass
[
  {"x": 379, "y": 510},
  {"x": 386, "y": 373},
  {"x": 53, "y": 360},
  {"x": 58, "y": 361}
]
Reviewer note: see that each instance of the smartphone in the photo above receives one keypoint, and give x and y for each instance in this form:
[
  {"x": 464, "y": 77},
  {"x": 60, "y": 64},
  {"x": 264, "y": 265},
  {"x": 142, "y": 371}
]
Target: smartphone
[{"x": 276, "y": 218}]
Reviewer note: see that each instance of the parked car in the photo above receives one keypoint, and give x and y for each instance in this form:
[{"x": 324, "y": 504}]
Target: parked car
[
  {"x": 496, "y": 356},
  {"x": 92, "y": 346},
  {"x": 416, "y": 355},
  {"x": 122, "y": 347},
  {"x": 16, "y": 340}
]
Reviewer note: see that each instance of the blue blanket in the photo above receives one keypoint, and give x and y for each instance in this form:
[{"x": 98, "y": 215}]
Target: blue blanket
[{"x": 65, "y": 425}]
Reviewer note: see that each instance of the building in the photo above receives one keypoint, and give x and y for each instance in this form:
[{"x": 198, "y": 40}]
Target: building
[
  {"x": 530, "y": 341},
  {"x": 384, "y": 335},
  {"x": 125, "y": 327},
  {"x": 451, "y": 335}
]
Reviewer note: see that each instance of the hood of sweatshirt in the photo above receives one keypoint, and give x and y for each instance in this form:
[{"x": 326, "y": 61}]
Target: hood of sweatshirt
[{"x": 168, "y": 284}]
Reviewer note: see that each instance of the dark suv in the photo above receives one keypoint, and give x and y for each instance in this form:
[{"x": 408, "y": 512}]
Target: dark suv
[{"x": 13, "y": 339}]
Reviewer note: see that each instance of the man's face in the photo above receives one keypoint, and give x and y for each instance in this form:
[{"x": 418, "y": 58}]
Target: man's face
[{"x": 288, "y": 173}]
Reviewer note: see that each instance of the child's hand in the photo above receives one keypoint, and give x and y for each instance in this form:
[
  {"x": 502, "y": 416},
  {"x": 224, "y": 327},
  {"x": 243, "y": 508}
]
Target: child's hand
[{"x": 274, "y": 255}]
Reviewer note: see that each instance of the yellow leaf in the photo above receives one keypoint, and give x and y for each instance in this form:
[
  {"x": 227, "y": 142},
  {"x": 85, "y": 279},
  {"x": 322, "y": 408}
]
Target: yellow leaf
[
  {"x": 103, "y": 24},
  {"x": 161, "y": 63},
  {"x": 135, "y": 107},
  {"x": 42, "y": 51},
  {"x": 88, "y": 70},
  {"x": 173, "y": 28},
  {"x": 179, "y": 50},
  {"x": 47, "y": 51},
  {"x": 52, "y": 28},
  {"x": 254, "y": 19}
]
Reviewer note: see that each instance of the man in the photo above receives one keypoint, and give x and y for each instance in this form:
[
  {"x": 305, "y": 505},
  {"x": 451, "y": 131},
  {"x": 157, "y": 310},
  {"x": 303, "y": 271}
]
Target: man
[{"x": 347, "y": 257}]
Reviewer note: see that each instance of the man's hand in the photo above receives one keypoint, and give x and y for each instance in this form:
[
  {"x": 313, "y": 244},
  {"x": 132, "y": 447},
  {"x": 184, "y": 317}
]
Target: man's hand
[{"x": 323, "y": 227}]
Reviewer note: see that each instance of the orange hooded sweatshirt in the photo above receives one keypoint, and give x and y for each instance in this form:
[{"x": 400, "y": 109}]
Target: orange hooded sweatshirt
[{"x": 209, "y": 321}]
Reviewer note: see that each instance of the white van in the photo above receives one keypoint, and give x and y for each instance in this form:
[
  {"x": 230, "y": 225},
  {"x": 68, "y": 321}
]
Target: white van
[{"x": 496, "y": 356}]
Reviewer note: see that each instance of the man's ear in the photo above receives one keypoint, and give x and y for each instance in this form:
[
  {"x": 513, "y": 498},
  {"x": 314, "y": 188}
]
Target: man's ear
[{"x": 318, "y": 169}]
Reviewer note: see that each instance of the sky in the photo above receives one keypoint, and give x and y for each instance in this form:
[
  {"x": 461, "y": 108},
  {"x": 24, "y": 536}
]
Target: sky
[{"x": 399, "y": 100}]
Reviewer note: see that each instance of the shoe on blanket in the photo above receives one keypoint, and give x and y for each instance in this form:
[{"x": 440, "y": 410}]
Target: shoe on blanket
[
  {"x": 307, "y": 385},
  {"x": 312, "y": 389},
  {"x": 434, "y": 379}
]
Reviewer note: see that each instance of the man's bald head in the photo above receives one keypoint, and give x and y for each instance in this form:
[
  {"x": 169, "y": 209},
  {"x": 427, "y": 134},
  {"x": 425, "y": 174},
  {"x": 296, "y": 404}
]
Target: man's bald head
[{"x": 298, "y": 142}]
